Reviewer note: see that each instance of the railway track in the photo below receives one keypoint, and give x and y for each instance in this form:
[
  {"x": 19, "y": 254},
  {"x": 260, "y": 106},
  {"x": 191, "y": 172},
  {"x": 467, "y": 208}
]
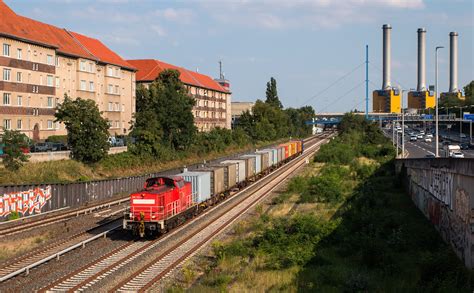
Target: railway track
[
  {"x": 89, "y": 275},
  {"x": 29, "y": 224}
]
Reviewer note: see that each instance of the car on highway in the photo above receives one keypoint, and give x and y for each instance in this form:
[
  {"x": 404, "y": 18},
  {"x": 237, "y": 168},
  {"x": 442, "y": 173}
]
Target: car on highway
[
  {"x": 430, "y": 156},
  {"x": 429, "y": 135},
  {"x": 457, "y": 155},
  {"x": 428, "y": 139},
  {"x": 464, "y": 146},
  {"x": 420, "y": 136},
  {"x": 413, "y": 138}
]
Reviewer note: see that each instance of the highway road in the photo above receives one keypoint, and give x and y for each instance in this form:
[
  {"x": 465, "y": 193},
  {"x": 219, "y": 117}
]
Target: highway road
[{"x": 420, "y": 148}]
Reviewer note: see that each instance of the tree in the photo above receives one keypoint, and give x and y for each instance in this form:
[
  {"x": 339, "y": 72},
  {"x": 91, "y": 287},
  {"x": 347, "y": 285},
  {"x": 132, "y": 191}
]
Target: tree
[
  {"x": 272, "y": 94},
  {"x": 14, "y": 143},
  {"x": 87, "y": 130},
  {"x": 164, "y": 115}
]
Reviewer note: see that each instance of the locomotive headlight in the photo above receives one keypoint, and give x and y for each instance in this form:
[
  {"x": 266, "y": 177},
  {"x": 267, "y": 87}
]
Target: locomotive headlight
[{"x": 131, "y": 215}]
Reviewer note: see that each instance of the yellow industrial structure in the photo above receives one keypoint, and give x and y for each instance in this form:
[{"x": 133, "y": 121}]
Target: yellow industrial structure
[
  {"x": 421, "y": 100},
  {"x": 387, "y": 101},
  {"x": 457, "y": 95}
]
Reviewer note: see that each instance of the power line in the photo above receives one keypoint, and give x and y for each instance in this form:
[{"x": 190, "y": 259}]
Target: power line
[
  {"x": 332, "y": 84},
  {"x": 342, "y": 96}
]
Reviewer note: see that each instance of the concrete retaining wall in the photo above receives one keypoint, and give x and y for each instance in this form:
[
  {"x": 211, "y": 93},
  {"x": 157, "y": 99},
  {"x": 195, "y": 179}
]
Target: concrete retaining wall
[
  {"x": 443, "y": 189},
  {"x": 64, "y": 155}
]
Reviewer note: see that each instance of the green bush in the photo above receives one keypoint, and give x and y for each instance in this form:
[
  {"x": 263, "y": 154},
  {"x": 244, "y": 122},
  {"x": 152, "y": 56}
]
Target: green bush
[
  {"x": 336, "y": 153},
  {"x": 57, "y": 139},
  {"x": 13, "y": 216}
]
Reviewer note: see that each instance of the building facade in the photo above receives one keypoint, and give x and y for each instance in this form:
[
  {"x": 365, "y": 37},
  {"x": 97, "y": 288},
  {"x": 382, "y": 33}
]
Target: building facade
[
  {"x": 213, "y": 99},
  {"x": 40, "y": 63},
  {"x": 237, "y": 108}
]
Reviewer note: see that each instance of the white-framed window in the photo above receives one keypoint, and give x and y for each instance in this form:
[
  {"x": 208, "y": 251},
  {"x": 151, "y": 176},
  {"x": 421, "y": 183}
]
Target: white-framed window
[
  {"x": 50, "y": 80},
  {"x": 35, "y": 89},
  {"x": 91, "y": 66},
  {"x": 6, "y": 74},
  {"x": 111, "y": 106},
  {"x": 83, "y": 85},
  {"x": 57, "y": 125},
  {"x": 82, "y": 65},
  {"x": 50, "y": 124},
  {"x": 91, "y": 86},
  {"x": 19, "y": 54},
  {"x": 19, "y": 77},
  {"x": 6, "y": 50},
  {"x": 56, "y": 101},
  {"x": 19, "y": 100},
  {"x": 19, "y": 124},
  {"x": 117, "y": 107},
  {"x": 116, "y": 90},
  {"x": 49, "y": 60},
  {"x": 6, "y": 98},
  {"x": 123, "y": 107},
  {"x": 50, "y": 102},
  {"x": 7, "y": 124},
  {"x": 35, "y": 66},
  {"x": 57, "y": 61},
  {"x": 58, "y": 82},
  {"x": 110, "y": 71},
  {"x": 117, "y": 72},
  {"x": 110, "y": 89}
]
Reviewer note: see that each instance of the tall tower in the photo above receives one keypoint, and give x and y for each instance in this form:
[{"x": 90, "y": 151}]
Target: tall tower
[
  {"x": 227, "y": 96},
  {"x": 421, "y": 98},
  {"x": 454, "y": 91},
  {"x": 387, "y": 99}
]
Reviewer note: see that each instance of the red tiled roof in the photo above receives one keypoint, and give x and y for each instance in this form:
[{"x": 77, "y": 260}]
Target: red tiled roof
[
  {"x": 149, "y": 69},
  {"x": 69, "y": 43},
  {"x": 99, "y": 50}
]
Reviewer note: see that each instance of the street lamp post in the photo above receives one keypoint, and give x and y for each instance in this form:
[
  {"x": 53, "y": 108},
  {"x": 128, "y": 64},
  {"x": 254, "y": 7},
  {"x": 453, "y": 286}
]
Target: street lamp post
[
  {"x": 460, "y": 123},
  {"x": 436, "y": 99}
]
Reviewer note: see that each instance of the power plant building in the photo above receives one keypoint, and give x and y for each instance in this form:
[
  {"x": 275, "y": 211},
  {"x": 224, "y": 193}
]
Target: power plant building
[
  {"x": 454, "y": 91},
  {"x": 387, "y": 99}
]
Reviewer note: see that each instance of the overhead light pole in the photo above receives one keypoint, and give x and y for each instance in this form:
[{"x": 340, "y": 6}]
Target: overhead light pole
[{"x": 436, "y": 100}]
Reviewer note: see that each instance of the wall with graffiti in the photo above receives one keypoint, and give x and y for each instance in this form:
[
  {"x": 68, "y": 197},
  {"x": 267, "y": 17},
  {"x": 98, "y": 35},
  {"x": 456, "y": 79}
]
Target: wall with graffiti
[
  {"x": 443, "y": 189},
  {"x": 25, "y": 202}
]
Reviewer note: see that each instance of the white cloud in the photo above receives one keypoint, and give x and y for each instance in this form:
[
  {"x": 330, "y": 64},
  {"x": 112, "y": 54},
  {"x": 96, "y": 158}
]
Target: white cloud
[
  {"x": 160, "y": 31},
  {"x": 175, "y": 15}
]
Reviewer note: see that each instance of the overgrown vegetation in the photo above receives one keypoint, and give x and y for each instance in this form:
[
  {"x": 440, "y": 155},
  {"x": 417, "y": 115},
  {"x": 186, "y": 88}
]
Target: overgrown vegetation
[{"x": 353, "y": 229}]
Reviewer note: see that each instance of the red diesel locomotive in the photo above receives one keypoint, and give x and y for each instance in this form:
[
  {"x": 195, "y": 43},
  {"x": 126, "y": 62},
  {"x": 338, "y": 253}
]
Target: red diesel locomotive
[{"x": 163, "y": 203}]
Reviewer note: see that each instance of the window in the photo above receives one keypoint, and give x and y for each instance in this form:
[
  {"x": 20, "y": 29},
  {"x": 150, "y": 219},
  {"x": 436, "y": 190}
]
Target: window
[
  {"x": 6, "y": 98},
  {"x": 50, "y": 124},
  {"x": 57, "y": 61},
  {"x": 123, "y": 107},
  {"x": 50, "y": 102},
  {"x": 91, "y": 86},
  {"x": 110, "y": 89},
  {"x": 49, "y": 59},
  {"x": 6, "y": 50},
  {"x": 18, "y": 124},
  {"x": 7, "y": 124},
  {"x": 57, "y": 125},
  {"x": 35, "y": 89},
  {"x": 111, "y": 106},
  {"x": 116, "y": 72},
  {"x": 19, "y": 100},
  {"x": 57, "y": 82},
  {"x": 19, "y": 77},
  {"x": 83, "y": 65},
  {"x": 91, "y": 65},
  {"x": 116, "y": 90},
  {"x": 18, "y": 54},
  {"x": 35, "y": 66},
  {"x": 110, "y": 71},
  {"x": 50, "y": 80},
  {"x": 6, "y": 74},
  {"x": 83, "y": 85},
  {"x": 117, "y": 107}
]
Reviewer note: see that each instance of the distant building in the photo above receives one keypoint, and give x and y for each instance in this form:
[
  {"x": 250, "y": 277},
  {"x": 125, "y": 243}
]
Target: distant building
[
  {"x": 39, "y": 63},
  {"x": 212, "y": 107},
  {"x": 237, "y": 108}
]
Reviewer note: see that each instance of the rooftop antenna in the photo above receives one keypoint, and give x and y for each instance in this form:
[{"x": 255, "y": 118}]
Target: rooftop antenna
[{"x": 221, "y": 74}]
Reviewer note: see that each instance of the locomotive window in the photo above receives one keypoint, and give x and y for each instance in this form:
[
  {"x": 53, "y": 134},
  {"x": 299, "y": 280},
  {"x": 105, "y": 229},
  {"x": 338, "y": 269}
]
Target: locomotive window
[{"x": 152, "y": 181}]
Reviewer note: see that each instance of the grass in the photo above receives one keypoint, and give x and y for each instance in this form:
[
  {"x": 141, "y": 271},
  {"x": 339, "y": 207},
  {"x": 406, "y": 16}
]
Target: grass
[
  {"x": 114, "y": 166},
  {"x": 370, "y": 237},
  {"x": 10, "y": 248}
]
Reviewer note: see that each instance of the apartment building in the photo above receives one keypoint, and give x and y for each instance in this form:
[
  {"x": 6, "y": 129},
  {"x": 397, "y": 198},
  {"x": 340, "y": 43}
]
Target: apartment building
[
  {"x": 213, "y": 97},
  {"x": 40, "y": 63},
  {"x": 237, "y": 109}
]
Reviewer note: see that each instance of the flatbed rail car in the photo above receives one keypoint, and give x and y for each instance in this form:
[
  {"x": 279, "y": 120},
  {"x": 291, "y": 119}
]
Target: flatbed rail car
[{"x": 168, "y": 201}]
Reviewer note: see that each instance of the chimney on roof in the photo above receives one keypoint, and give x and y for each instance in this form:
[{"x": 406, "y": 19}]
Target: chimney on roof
[{"x": 197, "y": 69}]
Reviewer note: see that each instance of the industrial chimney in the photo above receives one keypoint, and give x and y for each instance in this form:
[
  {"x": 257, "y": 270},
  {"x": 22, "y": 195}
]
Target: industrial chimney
[
  {"x": 386, "y": 85},
  {"x": 421, "y": 60},
  {"x": 453, "y": 62}
]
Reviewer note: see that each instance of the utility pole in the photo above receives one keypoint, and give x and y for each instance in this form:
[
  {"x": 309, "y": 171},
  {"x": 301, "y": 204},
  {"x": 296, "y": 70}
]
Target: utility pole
[
  {"x": 366, "y": 82},
  {"x": 436, "y": 101}
]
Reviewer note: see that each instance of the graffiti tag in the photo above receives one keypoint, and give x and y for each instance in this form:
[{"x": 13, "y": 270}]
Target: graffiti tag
[{"x": 24, "y": 202}]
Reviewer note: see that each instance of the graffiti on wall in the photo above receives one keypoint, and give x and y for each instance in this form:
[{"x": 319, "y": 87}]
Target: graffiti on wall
[{"x": 24, "y": 202}]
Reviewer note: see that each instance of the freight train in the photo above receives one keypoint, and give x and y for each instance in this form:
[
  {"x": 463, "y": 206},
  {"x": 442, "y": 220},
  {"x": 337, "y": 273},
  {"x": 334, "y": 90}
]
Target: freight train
[{"x": 166, "y": 202}]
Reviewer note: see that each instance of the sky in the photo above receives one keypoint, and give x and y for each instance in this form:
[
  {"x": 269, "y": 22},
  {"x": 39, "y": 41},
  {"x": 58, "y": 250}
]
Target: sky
[{"x": 315, "y": 49}]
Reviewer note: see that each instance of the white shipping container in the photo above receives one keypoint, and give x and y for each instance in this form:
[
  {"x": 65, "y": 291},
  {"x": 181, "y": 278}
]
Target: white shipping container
[{"x": 200, "y": 184}]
